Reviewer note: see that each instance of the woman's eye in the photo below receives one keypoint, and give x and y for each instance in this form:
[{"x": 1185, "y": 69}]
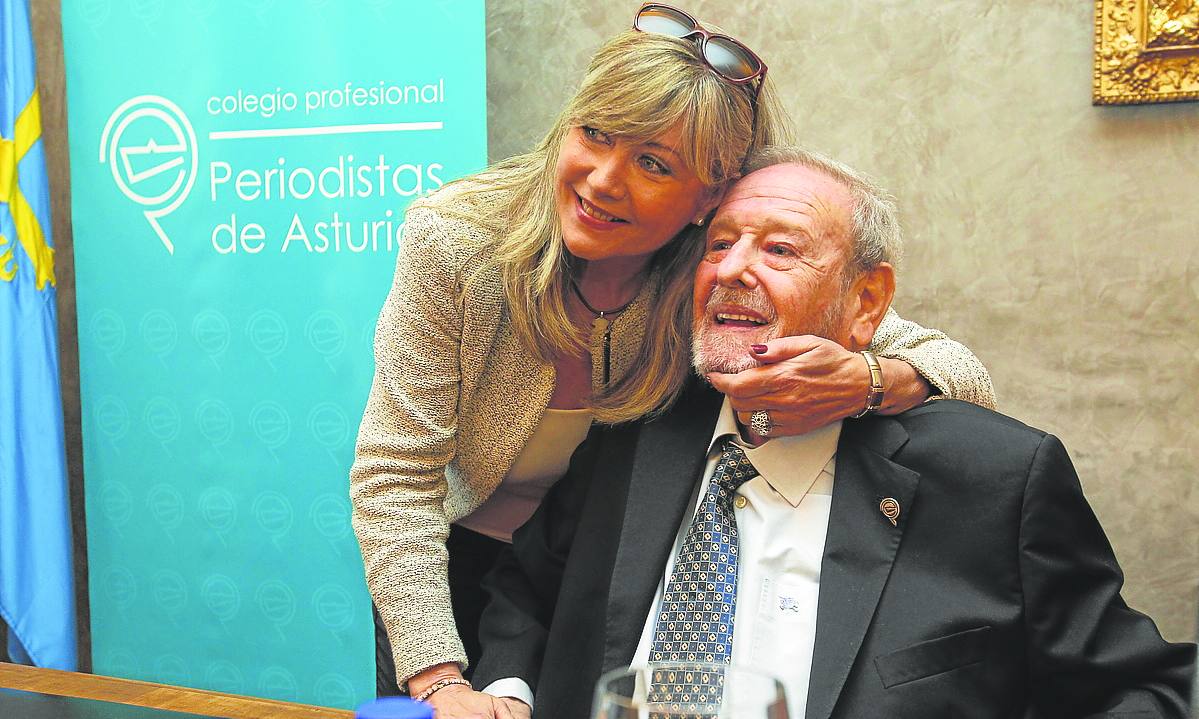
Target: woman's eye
[
  {"x": 654, "y": 165},
  {"x": 719, "y": 246},
  {"x": 595, "y": 135},
  {"x": 780, "y": 250}
]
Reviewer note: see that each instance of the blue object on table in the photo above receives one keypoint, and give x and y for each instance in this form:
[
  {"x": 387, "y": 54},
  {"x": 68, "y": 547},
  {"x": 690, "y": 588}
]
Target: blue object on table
[{"x": 394, "y": 708}]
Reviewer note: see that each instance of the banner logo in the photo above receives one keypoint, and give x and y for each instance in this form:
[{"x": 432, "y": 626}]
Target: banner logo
[{"x": 150, "y": 146}]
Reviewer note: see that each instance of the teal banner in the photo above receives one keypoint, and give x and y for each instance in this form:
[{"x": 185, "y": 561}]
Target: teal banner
[{"x": 239, "y": 173}]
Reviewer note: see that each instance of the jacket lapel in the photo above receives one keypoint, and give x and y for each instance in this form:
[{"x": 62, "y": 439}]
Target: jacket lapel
[
  {"x": 859, "y": 550},
  {"x": 667, "y": 466}
]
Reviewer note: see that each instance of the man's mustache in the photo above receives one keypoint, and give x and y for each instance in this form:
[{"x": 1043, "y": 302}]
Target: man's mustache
[{"x": 755, "y": 300}]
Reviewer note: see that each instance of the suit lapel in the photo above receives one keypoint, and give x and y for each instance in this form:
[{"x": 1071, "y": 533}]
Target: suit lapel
[
  {"x": 667, "y": 466},
  {"x": 859, "y": 551}
]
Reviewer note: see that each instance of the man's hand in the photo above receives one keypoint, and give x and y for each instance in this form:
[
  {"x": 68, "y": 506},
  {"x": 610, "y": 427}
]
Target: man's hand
[
  {"x": 459, "y": 701},
  {"x": 806, "y": 382},
  {"x": 519, "y": 709}
]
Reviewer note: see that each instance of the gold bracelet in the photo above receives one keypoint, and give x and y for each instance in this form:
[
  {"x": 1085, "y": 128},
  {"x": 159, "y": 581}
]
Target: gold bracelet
[
  {"x": 439, "y": 685},
  {"x": 874, "y": 398}
]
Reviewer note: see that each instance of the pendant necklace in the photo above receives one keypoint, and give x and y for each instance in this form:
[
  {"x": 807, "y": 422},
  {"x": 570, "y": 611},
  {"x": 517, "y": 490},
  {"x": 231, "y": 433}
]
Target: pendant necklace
[{"x": 602, "y": 324}]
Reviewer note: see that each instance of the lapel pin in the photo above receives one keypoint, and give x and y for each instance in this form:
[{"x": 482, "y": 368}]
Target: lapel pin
[{"x": 890, "y": 509}]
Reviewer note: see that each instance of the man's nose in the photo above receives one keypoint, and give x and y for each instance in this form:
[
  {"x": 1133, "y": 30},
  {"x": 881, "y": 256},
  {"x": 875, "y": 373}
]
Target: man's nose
[{"x": 736, "y": 267}]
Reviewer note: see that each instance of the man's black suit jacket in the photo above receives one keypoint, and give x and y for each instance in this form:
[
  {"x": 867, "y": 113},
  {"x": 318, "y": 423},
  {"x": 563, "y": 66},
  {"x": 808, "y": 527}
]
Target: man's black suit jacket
[{"x": 996, "y": 595}]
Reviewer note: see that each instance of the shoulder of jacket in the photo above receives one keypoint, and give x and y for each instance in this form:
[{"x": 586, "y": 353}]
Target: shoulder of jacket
[
  {"x": 433, "y": 237},
  {"x": 433, "y": 226},
  {"x": 956, "y": 418},
  {"x": 955, "y": 443}
]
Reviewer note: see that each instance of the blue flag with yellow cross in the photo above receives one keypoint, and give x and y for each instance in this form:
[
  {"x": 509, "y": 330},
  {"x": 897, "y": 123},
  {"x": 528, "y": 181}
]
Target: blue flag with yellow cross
[{"x": 37, "y": 600}]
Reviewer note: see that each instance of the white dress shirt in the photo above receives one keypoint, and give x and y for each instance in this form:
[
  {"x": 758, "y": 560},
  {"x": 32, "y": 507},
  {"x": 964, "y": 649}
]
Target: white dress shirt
[{"x": 782, "y": 518}]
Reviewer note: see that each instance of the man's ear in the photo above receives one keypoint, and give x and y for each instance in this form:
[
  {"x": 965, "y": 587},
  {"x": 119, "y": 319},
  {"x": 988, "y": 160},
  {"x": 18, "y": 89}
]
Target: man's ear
[{"x": 869, "y": 297}]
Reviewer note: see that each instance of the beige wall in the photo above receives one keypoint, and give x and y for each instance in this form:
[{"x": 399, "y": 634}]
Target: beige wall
[{"x": 1058, "y": 240}]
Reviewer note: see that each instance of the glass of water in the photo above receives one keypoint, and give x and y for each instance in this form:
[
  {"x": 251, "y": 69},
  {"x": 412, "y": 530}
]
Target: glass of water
[{"x": 689, "y": 691}]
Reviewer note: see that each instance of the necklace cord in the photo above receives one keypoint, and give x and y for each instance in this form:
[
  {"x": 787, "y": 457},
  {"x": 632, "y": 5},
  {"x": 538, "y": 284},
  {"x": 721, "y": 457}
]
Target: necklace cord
[
  {"x": 603, "y": 324},
  {"x": 598, "y": 313}
]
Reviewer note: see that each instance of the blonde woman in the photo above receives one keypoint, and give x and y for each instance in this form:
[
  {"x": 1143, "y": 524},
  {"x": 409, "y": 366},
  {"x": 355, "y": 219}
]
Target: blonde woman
[{"x": 553, "y": 290}]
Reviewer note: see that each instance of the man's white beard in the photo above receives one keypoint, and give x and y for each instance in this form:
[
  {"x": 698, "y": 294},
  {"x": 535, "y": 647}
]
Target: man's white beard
[
  {"x": 721, "y": 352},
  {"x": 728, "y": 352}
]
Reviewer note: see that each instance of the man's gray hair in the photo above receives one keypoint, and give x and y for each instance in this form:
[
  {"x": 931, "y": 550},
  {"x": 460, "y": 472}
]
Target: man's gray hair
[{"x": 876, "y": 234}]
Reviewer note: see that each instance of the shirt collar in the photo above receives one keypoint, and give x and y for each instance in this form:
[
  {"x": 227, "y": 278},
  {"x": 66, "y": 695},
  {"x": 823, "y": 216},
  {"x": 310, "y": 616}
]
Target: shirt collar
[{"x": 790, "y": 465}]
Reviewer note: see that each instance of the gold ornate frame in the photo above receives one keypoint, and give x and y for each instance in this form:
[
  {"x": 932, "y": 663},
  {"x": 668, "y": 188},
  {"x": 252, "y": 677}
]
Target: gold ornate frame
[{"x": 1146, "y": 51}]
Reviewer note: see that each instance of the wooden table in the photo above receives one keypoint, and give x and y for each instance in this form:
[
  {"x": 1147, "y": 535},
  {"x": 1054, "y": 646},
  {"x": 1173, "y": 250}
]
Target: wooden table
[{"x": 147, "y": 694}]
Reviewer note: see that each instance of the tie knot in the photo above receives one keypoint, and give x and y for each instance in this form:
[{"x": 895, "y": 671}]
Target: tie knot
[{"x": 734, "y": 469}]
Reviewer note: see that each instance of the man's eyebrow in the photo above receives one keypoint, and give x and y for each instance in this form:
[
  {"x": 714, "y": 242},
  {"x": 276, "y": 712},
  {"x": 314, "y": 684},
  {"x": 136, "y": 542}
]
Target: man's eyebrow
[{"x": 720, "y": 222}]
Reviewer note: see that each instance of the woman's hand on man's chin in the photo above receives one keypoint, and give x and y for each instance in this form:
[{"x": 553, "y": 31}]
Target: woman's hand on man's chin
[{"x": 806, "y": 382}]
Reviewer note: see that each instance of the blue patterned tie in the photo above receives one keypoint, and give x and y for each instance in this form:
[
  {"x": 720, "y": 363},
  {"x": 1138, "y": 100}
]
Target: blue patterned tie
[{"x": 695, "y": 621}]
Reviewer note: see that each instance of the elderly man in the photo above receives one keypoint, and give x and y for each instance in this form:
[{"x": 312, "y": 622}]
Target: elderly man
[{"x": 938, "y": 563}]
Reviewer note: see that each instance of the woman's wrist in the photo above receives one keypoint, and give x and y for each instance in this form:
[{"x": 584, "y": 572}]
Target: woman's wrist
[
  {"x": 877, "y": 390},
  {"x": 905, "y": 387},
  {"x": 427, "y": 677},
  {"x": 444, "y": 685}
]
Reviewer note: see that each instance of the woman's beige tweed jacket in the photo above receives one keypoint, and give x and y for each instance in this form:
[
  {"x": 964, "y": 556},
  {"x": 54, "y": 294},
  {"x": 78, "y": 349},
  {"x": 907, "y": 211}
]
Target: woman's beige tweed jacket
[{"x": 454, "y": 399}]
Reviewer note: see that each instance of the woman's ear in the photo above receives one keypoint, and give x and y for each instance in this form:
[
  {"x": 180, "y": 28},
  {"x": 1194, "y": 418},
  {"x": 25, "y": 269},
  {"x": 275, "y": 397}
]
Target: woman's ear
[
  {"x": 711, "y": 200},
  {"x": 870, "y": 296}
]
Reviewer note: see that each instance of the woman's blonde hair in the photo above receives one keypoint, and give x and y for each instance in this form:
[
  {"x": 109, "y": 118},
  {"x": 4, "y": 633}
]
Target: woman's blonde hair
[{"x": 638, "y": 86}]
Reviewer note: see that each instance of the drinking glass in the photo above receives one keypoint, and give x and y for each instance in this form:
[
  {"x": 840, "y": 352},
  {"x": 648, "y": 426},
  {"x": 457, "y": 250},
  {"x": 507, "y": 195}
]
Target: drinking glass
[{"x": 725, "y": 692}]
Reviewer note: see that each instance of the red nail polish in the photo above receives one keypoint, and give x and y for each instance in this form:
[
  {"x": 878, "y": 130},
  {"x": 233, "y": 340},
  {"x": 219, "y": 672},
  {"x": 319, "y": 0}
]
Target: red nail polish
[{"x": 759, "y": 349}]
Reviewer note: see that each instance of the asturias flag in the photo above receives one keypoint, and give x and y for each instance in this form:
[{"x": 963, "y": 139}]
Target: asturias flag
[{"x": 37, "y": 598}]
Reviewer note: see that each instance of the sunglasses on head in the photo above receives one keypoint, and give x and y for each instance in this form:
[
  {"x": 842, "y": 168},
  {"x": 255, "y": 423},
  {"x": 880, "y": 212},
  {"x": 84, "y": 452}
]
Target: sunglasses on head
[{"x": 729, "y": 57}]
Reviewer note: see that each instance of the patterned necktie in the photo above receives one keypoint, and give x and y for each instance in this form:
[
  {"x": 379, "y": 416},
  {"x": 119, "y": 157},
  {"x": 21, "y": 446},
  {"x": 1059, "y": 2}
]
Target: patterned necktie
[{"x": 695, "y": 621}]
